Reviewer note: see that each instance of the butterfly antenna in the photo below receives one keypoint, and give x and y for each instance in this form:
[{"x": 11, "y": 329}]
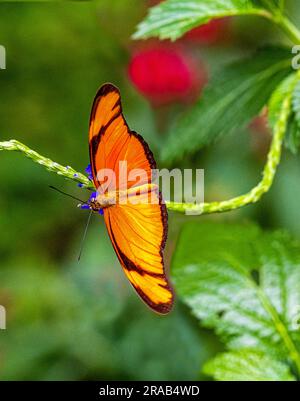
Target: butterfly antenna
[
  {"x": 64, "y": 193},
  {"x": 84, "y": 234}
]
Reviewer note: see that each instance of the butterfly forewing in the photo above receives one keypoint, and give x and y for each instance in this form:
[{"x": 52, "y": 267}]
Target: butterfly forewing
[{"x": 137, "y": 229}]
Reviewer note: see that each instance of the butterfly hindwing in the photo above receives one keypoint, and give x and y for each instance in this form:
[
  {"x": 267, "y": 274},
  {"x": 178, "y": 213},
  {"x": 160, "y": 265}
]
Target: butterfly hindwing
[{"x": 138, "y": 233}]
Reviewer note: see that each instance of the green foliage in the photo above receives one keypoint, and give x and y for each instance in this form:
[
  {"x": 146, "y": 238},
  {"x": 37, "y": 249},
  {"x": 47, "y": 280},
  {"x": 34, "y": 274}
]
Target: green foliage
[
  {"x": 245, "y": 284},
  {"x": 152, "y": 339},
  {"x": 296, "y": 103},
  {"x": 293, "y": 133},
  {"x": 292, "y": 136},
  {"x": 83, "y": 321},
  {"x": 70, "y": 320},
  {"x": 173, "y": 18},
  {"x": 235, "y": 95},
  {"x": 247, "y": 366},
  {"x": 286, "y": 88}
]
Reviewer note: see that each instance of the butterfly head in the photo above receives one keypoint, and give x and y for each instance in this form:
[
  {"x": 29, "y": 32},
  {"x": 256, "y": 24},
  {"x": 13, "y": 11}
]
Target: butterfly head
[{"x": 93, "y": 204}]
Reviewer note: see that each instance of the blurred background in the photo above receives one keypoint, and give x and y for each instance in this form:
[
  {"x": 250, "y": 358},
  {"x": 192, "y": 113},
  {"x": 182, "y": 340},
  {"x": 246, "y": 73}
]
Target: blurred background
[{"x": 78, "y": 321}]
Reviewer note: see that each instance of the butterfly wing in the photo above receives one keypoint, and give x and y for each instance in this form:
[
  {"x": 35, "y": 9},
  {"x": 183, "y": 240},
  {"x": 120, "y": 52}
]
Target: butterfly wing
[
  {"x": 137, "y": 230},
  {"x": 138, "y": 234},
  {"x": 111, "y": 140}
]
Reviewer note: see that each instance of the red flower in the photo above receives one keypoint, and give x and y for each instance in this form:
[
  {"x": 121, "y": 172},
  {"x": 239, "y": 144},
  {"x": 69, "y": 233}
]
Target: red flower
[
  {"x": 164, "y": 74},
  {"x": 261, "y": 134},
  {"x": 214, "y": 31},
  {"x": 260, "y": 123}
]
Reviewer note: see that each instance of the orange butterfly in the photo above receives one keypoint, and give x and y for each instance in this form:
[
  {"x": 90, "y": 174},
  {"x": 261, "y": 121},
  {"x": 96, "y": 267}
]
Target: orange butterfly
[{"x": 137, "y": 227}]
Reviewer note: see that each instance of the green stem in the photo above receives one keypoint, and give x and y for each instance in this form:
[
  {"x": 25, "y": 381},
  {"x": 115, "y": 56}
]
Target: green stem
[
  {"x": 65, "y": 171},
  {"x": 275, "y": 13},
  {"x": 252, "y": 196},
  {"x": 278, "y": 17},
  {"x": 288, "y": 27},
  {"x": 214, "y": 207},
  {"x": 260, "y": 189}
]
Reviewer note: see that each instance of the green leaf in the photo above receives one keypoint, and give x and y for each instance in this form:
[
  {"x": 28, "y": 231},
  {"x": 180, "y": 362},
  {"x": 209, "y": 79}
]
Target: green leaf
[
  {"x": 155, "y": 341},
  {"x": 284, "y": 89},
  {"x": 235, "y": 95},
  {"x": 296, "y": 103},
  {"x": 243, "y": 283},
  {"x": 292, "y": 136},
  {"x": 173, "y": 18},
  {"x": 247, "y": 365}
]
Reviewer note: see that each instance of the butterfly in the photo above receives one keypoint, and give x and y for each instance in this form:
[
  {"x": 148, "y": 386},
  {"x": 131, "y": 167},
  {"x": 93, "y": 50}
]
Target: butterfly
[{"x": 137, "y": 228}]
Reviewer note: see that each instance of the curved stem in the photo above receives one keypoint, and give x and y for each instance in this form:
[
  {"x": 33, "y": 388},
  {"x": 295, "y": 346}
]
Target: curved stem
[
  {"x": 252, "y": 196},
  {"x": 213, "y": 207},
  {"x": 65, "y": 171},
  {"x": 288, "y": 27},
  {"x": 277, "y": 16},
  {"x": 260, "y": 189}
]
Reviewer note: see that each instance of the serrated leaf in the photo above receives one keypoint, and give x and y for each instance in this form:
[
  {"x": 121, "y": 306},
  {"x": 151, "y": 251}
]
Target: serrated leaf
[
  {"x": 247, "y": 365},
  {"x": 235, "y": 95},
  {"x": 296, "y": 103},
  {"x": 292, "y": 136},
  {"x": 284, "y": 89},
  {"x": 243, "y": 283},
  {"x": 172, "y": 18}
]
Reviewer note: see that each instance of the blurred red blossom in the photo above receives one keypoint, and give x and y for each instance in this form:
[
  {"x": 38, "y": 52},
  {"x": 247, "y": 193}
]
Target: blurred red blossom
[
  {"x": 165, "y": 73},
  {"x": 261, "y": 134},
  {"x": 217, "y": 30},
  {"x": 260, "y": 123}
]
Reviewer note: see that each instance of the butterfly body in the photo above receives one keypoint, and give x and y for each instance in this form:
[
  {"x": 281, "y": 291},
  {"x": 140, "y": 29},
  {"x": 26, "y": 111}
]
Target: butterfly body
[
  {"x": 104, "y": 200},
  {"x": 96, "y": 206},
  {"x": 134, "y": 212}
]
